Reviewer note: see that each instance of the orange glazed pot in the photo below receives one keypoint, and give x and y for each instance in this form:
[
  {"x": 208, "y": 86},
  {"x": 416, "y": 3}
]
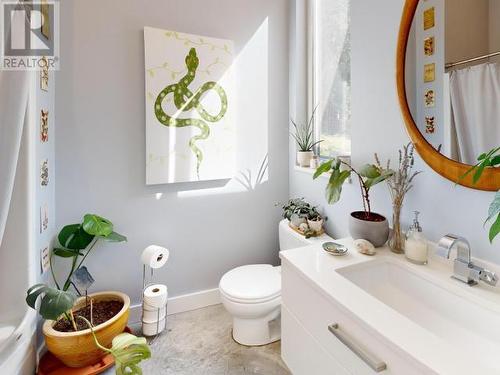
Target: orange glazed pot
[{"x": 78, "y": 349}]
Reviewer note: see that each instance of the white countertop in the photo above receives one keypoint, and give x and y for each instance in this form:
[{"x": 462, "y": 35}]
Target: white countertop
[{"x": 402, "y": 333}]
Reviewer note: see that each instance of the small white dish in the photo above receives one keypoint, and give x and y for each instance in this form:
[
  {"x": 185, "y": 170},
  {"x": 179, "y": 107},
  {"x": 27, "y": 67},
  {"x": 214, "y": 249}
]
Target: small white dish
[{"x": 335, "y": 249}]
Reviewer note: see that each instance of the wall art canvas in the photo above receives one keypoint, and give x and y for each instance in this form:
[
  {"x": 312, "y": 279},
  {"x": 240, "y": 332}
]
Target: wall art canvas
[
  {"x": 44, "y": 126},
  {"x": 430, "y": 125},
  {"x": 430, "y": 99},
  {"x": 44, "y": 259},
  {"x": 429, "y": 18},
  {"x": 44, "y": 218},
  {"x": 44, "y": 172},
  {"x": 429, "y": 72},
  {"x": 429, "y": 46},
  {"x": 45, "y": 19},
  {"x": 44, "y": 74},
  {"x": 190, "y": 134}
]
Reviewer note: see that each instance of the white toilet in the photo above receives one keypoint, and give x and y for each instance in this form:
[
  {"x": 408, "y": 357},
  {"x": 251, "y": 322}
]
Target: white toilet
[{"x": 252, "y": 294}]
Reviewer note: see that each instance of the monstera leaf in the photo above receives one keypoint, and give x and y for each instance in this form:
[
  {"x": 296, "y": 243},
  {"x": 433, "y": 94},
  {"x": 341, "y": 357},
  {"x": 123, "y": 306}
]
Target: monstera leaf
[
  {"x": 54, "y": 302},
  {"x": 74, "y": 237},
  {"x": 115, "y": 237},
  {"x": 128, "y": 351},
  {"x": 97, "y": 226}
]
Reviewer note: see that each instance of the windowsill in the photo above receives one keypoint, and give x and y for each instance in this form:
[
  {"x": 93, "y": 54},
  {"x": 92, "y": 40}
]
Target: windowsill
[{"x": 309, "y": 171}]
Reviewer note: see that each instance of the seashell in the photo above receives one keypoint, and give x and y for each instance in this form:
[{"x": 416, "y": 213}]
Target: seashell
[
  {"x": 303, "y": 227},
  {"x": 365, "y": 247}
]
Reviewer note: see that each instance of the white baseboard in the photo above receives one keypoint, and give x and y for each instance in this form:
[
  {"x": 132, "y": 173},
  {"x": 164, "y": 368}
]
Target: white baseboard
[{"x": 179, "y": 304}]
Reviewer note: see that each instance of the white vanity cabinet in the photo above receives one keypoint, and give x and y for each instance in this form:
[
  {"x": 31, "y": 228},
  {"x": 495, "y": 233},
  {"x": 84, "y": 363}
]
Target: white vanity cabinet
[
  {"x": 364, "y": 315},
  {"x": 310, "y": 323}
]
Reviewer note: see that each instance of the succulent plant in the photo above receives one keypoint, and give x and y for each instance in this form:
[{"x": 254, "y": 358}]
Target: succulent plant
[{"x": 301, "y": 208}]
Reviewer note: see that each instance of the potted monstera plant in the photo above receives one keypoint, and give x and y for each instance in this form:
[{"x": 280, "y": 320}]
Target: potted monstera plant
[
  {"x": 76, "y": 329},
  {"x": 365, "y": 224}
]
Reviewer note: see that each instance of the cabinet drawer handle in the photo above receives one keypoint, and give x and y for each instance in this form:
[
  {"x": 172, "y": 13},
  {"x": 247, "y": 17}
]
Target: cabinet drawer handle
[{"x": 376, "y": 364}]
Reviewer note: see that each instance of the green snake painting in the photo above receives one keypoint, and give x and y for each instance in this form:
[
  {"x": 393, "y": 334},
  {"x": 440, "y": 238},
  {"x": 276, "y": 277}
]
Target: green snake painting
[{"x": 185, "y": 100}]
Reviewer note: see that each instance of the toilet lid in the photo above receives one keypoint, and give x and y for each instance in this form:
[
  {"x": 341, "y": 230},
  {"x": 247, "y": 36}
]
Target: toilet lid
[{"x": 253, "y": 282}]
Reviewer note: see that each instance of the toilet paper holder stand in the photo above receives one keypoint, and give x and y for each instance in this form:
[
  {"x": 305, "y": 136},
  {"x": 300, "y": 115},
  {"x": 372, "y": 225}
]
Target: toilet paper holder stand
[{"x": 146, "y": 284}]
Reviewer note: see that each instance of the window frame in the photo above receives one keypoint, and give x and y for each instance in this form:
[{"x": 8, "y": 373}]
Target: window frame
[{"x": 312, "y": 91}]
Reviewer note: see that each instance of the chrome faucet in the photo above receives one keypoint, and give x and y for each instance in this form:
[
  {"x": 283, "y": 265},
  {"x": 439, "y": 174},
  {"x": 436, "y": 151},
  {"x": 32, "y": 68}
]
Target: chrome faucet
[{"x": 463, "y": 269}]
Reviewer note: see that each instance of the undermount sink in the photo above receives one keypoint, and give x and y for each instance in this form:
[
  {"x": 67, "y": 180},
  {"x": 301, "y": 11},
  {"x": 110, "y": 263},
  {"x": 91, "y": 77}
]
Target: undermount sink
[{"x": 449, "y": 311}]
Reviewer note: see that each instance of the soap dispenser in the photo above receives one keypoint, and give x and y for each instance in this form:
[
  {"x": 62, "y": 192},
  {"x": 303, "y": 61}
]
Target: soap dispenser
[{"x": 416, "y": 244}]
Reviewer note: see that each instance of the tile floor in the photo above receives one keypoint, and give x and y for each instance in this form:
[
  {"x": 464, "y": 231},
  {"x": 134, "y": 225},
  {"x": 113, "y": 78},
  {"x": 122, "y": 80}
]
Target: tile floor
[{"x": 200, "y": 343}]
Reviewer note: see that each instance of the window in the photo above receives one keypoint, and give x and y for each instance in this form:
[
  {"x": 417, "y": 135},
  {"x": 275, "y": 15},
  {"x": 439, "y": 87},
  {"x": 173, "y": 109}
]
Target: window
[{"x": 330, "y": 74}]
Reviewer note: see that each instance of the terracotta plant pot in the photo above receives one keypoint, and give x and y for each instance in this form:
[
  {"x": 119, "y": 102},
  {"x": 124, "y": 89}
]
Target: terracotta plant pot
[
  {"x": 78, "y": 349},
  {"x": 374, "y": 228},
  {"x": 304, "y": 158}
]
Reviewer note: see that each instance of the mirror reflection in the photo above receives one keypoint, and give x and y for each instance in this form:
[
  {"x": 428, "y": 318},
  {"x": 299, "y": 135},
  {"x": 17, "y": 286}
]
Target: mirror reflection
[{"x": 453, "y": 76}]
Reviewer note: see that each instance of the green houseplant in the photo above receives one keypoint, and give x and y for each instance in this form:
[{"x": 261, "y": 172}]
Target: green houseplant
[
  {"x": 59, "y": 305},
  {"x": 490, "y": 159},
  {"x": 76, "y": 242},
  {"x": 364, "y": 224},
  {"x": 127, "y": 350},
  {"x": 304, "y": 138},
  {"x": 304, "y": 216}
]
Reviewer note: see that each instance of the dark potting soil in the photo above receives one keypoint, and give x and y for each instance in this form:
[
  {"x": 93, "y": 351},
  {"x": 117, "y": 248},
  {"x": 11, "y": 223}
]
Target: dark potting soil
[
  {"x": 361, "y": 215},
  {"x": 102, "y": 311}
]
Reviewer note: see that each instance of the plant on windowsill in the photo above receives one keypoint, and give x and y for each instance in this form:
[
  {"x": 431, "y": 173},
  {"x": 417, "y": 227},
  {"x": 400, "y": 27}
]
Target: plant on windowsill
[
  {"x": 490, "y": 159},
  {"x": 66, "y": 336},
  {"x": 304, "y": 138},
  {"x": 364, "y": 224}
]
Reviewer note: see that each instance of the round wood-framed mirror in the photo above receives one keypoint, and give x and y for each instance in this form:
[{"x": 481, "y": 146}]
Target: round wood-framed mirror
[{"x": 432, "y": 155}]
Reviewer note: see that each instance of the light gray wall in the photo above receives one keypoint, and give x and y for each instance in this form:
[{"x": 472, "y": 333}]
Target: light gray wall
[
  {"x": 378, "y": 127},
  {"x": 467, "y": 29},
  {"x": 209, "y": 227}
]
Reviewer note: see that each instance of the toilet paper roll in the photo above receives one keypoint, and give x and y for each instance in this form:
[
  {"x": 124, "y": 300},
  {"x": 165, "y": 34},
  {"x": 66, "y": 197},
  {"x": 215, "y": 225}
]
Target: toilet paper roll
[
  {"x": 152, "y": 315},
  {"x": 155, "y": 256},
  {"x": 155, "y": 296},
  {"x": 151, "y": 329}
]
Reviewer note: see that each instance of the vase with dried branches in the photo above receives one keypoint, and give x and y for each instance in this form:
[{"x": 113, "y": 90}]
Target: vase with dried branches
[{"x": 400, "y": 182}]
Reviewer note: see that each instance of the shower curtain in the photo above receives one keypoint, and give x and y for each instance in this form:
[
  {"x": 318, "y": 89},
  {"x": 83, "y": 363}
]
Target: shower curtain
[
  {"x": 475, "y": 111},
  {"x": 14, "y": 89},
  {"x": 13, "y": 105}
]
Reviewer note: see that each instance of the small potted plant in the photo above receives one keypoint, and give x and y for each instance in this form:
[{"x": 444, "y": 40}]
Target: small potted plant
[
  {"x": 304, "y": 137},
  {"x": 303, "y": 216},
  {"x": 67, "y": 334},
  {"x": 296, "y": 211},
  {"x": 315, "y": 220},
  {"x": 364, "y": 224}
]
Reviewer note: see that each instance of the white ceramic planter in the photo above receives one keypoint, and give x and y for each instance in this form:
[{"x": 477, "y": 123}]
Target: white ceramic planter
[
  {"x": 304, "y": 158},
  {"x": 315, "y": 225}
]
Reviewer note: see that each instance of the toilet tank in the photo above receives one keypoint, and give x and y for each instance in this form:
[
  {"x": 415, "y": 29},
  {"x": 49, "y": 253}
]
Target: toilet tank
[{"x": 289, "y": 239}]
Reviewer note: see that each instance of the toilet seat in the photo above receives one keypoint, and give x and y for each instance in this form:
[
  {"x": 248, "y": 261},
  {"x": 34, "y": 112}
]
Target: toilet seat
[{"x": 256, "y": 283}]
